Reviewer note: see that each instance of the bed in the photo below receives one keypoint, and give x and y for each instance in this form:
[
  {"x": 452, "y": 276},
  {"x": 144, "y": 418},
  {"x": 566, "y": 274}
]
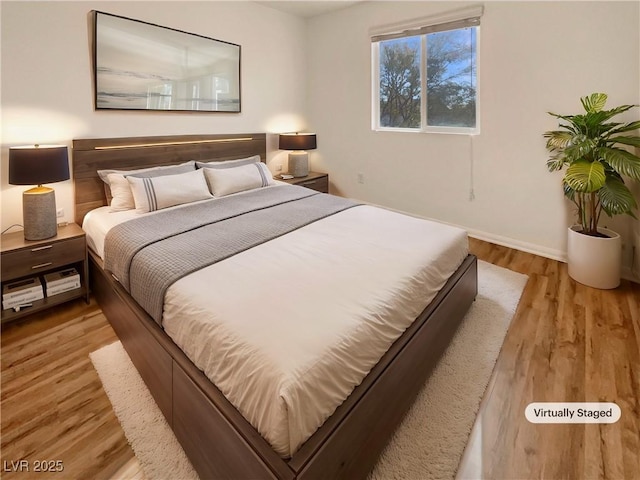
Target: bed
[{"x": 222, "y": 436}]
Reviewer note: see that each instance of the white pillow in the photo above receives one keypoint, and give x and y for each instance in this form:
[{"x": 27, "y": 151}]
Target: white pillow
[
  {"x": 156, "y": 193},
  {"x": 122, "y": 198},
  {"x": 238, "y": 179}
]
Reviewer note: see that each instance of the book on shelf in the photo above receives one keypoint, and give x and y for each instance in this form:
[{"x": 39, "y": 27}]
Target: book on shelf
[
  {"x": 67, "y": 276},
  {"x": 65, "y": 287},
  {"x": 15, "y": 301},
  {"x": 21, "y": 288}
]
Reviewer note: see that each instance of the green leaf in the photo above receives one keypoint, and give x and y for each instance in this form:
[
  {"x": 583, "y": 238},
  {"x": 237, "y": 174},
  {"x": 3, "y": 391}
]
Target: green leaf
[
  {"x": 569, "y": 192},
  {"x": 616, "y": 198},
  {"x": 558, "y": 139},
  {"x": 556, "y": 162},
  {"x": 595, "y": 125},
  {"x": 635, "y": 141},
  {"x": 604, "y": 130},
  {"x": 569, "y": 118},
  {"x": 581, "y": 147},
  {"x": 585, "y": 177},
  {"x": 594, "y": 102},
  {"x": 627, "y": 127},
  {"x": 580, "y": 124},
  {"x": 621, "y": 161},
  {"x": 607, "y": 114}
]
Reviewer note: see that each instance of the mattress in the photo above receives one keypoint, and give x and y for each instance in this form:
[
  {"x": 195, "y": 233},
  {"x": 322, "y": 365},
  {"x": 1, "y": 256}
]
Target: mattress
[{"x": 287, "y": 329}]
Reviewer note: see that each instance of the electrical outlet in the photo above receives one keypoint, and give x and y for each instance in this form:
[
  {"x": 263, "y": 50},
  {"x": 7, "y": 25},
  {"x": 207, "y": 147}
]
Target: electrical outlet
[
  {"x": 360, "y": 177},
  {"x": 60, "y": 212},
  {"x": 278, "y": 167}
]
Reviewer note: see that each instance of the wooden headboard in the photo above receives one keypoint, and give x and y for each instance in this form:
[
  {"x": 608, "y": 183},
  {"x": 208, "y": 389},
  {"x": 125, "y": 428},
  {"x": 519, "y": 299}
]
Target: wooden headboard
[{"x": 91, "y": 155}]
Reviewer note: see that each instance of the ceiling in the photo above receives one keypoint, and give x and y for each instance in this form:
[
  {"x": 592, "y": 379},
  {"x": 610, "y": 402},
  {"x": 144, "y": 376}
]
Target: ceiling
[{"x": 306, "y": 9}]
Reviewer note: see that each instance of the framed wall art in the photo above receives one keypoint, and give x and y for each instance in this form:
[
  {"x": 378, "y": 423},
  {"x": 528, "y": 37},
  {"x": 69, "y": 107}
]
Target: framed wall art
[{"x": 142, "y": 66}]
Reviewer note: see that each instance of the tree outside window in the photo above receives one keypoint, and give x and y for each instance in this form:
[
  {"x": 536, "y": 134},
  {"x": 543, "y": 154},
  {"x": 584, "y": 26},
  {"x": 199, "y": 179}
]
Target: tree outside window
[
  {"x": 400, "y": 84},
  {"x": 448, "y": 74}
]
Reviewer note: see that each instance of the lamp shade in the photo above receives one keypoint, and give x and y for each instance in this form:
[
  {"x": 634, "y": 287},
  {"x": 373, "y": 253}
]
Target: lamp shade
[
  {"x": 297, "y": 141},
  {"x": 38, "y": 164}
]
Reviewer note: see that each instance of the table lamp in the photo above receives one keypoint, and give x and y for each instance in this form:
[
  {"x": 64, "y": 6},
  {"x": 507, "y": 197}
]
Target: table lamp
[
  {"x": 35, "y": 165},
  {"x": 298, "y": 158}
]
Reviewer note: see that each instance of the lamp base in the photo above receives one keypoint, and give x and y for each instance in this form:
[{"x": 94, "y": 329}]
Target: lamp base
[
  {"x": 39, "y": 213},
  {"x": 298, "y": 164}
]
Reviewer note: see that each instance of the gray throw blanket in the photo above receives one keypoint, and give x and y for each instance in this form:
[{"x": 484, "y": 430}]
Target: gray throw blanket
[{"x": 148, "y": 254}]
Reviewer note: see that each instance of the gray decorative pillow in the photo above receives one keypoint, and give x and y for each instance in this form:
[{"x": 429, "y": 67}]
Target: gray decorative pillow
[
  {"x": 226, "y": 181},
  {"x": 155, "y": 193}
]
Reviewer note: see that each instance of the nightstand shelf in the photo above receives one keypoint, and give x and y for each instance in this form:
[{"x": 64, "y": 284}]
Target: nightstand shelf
[
  {"x": 22, "y": 259},
  {"x": 315, "y": 181}
]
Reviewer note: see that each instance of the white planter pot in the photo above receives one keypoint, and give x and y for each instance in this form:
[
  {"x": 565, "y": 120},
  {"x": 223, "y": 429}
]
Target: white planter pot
[{"x": 595, "y": 261}]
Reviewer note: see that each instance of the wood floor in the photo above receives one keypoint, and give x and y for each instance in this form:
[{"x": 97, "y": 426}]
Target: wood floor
[
  {"x": 52, "y": 402},
  {"x": 567, "y": 342}
]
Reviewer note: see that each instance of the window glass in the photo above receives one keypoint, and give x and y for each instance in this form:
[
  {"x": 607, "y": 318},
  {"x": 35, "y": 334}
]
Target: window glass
[
  {"x": 400, "y": 83},
  {"x": 427, "y": 82},
  {"x": 451, "y": 78}
]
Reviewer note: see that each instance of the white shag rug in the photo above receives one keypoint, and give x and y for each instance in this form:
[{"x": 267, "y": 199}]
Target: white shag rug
[{"x": 431, "y": 439}]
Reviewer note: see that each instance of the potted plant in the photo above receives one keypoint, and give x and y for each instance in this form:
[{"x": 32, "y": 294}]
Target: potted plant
[{"x": 591, "y": 146}]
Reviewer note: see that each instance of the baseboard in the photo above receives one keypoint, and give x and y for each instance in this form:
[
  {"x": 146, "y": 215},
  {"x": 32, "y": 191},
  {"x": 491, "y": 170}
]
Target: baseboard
[
  {"x": 551, "y": 253},
  {"x": 627, "y": 273}
]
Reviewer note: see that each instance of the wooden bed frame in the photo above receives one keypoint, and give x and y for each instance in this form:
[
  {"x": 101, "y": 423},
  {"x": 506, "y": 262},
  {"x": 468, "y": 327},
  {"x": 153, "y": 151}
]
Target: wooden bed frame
[{"x": 217, "y": 439}]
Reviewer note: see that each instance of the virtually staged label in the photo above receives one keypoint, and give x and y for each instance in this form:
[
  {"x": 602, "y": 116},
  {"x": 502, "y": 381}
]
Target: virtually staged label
[{"x": 572, "y": 412}]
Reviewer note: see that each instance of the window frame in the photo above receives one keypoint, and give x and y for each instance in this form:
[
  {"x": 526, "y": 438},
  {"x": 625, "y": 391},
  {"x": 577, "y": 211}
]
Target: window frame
[{"x": 424, "y": 128}]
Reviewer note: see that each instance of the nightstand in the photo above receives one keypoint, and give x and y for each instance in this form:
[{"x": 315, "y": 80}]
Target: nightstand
[
  {"x": 315, "y": 181},
  {"x": 23, "y": 259}
]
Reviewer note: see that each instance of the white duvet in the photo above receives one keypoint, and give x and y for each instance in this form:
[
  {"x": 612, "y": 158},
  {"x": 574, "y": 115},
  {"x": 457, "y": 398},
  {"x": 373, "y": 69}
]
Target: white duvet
[{"x": 286, "y": 330}]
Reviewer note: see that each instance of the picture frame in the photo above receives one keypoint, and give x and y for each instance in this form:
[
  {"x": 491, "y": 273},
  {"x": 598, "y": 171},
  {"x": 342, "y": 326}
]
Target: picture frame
[{"x": 143, "y": 66}]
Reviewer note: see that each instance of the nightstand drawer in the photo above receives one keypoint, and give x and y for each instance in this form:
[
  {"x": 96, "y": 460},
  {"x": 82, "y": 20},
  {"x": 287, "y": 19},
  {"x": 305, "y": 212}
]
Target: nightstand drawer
[
  {"x": 42, "y": 257},
  {"x": 320, "y": 184}
]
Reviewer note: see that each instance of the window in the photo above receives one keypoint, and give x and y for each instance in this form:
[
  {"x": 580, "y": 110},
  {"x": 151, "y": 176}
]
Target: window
[{"x": 425, "y": 78}]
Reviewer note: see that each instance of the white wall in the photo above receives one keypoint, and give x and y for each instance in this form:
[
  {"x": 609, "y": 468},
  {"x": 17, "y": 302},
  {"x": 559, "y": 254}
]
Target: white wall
[
  {"x": 534, "y": 57},
  {"x": 47, "y": 95}
]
